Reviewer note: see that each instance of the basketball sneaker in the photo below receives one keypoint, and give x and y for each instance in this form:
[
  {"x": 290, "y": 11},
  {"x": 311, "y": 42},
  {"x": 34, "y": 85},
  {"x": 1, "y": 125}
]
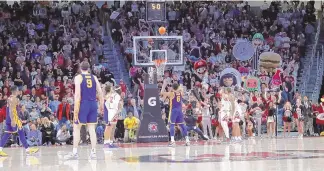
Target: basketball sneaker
[
  {"x": 3, "y": 154},
  {"x": 93, "y": 155},
  {"x": 172, "y": 144},
  {"x": 205, "y": 137},
  {"x": 30, "y": 151},
  {"x": 110, "y": 146},
  {"x": 71, "y": 156}
]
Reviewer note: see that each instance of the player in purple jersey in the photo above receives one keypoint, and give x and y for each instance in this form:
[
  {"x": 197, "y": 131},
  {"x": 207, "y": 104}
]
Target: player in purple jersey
[
  {"x": 86, "y": 108},
  {"x": 175, "y": 115},
  {"x": 13, "y": 123}
]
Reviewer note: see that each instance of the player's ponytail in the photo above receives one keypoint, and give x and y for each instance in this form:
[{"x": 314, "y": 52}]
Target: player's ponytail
[
  {"x": 108, "y": 88},
  {"x": 118, "y": 90}
]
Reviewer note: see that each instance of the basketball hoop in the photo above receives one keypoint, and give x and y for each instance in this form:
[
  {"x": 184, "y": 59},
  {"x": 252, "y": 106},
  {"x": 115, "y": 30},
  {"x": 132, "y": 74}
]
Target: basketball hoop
[{"x": 159, "y": 65}]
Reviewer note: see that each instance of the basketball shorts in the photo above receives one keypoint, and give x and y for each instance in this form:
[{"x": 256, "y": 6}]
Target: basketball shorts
[
  {"x": 176, "y": 116},
  {"x": 10, "y": 129},
  {"x": 88, "y": 112},
  {"x": 111, "y": 116},
  {"x": 270, "y": 119}
]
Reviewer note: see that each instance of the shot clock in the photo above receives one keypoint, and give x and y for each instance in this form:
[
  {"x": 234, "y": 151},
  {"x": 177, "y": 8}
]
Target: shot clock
[{"x": 155, "y": 11}]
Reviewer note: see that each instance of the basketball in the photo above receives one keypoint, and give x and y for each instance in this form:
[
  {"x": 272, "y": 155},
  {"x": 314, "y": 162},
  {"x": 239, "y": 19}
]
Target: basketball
[{"x": 162, "y": 30}]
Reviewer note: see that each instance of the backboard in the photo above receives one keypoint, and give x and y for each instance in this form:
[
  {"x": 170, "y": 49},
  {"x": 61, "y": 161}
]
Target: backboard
[{"x": 149, "y": 48}]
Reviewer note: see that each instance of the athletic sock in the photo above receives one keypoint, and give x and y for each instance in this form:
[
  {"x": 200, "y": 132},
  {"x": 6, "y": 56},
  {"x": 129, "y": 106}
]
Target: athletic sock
[
  {"x": 75, "y": 150},
  {"x": 187, "y": 139},
  {"x": 172, "y": 138},
  {"x": 106, "y": 141},
  {"x": 1, "y": 148}
]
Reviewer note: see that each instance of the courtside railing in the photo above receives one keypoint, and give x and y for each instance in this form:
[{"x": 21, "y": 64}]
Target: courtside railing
[
  {"x": 116, "y": 56},
  {"x": 319, "y": 77},
  {"x": 307, "y": 75}
]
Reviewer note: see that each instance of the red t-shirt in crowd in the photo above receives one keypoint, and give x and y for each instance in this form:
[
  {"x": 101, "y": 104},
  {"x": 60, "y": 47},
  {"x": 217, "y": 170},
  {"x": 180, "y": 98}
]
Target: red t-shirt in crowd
[
  {"x": 60, "y": 84},
  {"x": 39, "y": 91},
  {"x": 2, "y": 113},
  {"x": 27, "y": 91}
]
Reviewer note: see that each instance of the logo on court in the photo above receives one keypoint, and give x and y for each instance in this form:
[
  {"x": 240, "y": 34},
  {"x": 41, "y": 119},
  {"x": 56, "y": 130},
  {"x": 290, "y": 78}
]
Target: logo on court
[
  {"x": 252, "y": 156},
  {"x": 152, "y": 101},
  {"x": 153, "y": 127}
]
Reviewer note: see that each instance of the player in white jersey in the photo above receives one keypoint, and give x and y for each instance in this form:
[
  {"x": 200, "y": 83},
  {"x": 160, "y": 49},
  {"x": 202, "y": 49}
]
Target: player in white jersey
[{"x": 113, "y": 106}]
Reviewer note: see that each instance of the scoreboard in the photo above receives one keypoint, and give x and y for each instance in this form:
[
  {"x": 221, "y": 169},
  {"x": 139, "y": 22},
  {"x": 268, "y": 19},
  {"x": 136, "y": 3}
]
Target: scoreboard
[{"x": 155, "y": 11}]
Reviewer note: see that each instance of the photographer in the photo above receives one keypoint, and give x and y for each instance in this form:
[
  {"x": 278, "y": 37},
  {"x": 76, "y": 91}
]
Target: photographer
[
  {"x": 191, "y": 121},
  {"x": 63, "y": 135},
  {"x": 308, "y": 123}
]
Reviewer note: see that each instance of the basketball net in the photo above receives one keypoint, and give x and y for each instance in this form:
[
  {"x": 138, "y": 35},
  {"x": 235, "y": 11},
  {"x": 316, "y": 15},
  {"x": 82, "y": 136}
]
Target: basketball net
[{"x": 159, "y": 66}]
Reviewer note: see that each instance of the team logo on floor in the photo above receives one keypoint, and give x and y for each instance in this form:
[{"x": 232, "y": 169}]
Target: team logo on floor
[
  {"x": 252, "y": 156},
  {"x": 153, "y": 127}
]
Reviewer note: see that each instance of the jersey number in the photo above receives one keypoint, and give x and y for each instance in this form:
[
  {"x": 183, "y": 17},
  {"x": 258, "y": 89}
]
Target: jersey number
[
  {"x": 89, "y": 83},
  {"x": 178, "y": 99}
]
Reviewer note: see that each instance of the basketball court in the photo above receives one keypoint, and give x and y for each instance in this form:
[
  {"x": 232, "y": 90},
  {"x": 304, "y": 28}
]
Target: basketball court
[
  {"x": 288, "y": 154},
  {"x": 158, "y": 53}
]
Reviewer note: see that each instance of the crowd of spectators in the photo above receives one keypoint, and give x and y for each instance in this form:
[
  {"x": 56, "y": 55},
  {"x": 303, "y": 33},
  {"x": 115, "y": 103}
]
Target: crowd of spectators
[
  {"x": 40, "y": 52},
  {"x": 214, "y": 28}
]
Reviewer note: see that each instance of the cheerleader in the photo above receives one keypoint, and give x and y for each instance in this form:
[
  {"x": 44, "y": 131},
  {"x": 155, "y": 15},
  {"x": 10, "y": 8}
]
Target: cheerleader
[
  {"x": 299, "y": 112},
  {"x": 216, "y": 122},
  {"x": 224, "y": 114},
  {"x": 250, "y": 127},
  {"x": 287, "y": 118},
  {"x": 236, "y": 132},
  {"x": 271, "y": 120},
  {"x": 243, "y": 106}
]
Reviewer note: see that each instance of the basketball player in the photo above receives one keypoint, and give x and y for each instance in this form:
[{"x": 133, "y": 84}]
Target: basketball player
[
  {"x": 13, "y": 123},
  {"x": 175, "y": 115},
  {"x": 85, "y": 108},
  {"x": 113, "y": 106}
]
